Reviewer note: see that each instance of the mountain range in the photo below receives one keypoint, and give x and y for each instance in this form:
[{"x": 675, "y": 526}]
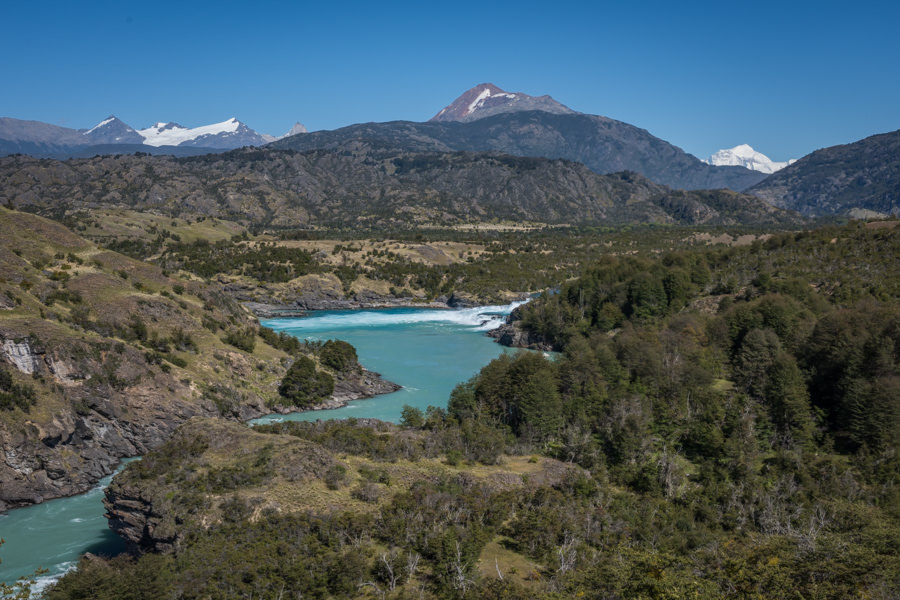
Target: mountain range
[
  {"x": 112, "y": 135},
  {"x": 487, "y": 119},
  {"x": 603, "y": 145},
  {"x": 483, "y": 119},
  {"x": 364, "y": 184}
]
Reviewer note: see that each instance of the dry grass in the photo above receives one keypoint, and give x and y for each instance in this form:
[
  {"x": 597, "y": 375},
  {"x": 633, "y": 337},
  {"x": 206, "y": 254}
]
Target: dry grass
[
  {"x": 726, "y": 239},
  {"x": 358, "y": 252},
  {"x": 497, "y": 559},
  {"x": 286, "y": 491},
  {"x": 882, "y": 224},
  {"x": 118, "y": 224}
]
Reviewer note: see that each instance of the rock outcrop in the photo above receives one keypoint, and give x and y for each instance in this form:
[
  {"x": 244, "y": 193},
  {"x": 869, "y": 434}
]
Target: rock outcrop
[
  {"x": 512, "y": 334},
  {"x": 131, "y": 515}
]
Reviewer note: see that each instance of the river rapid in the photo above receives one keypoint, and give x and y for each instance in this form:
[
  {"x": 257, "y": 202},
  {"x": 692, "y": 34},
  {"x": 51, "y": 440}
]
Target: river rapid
[{"x": 426, "y": 351}]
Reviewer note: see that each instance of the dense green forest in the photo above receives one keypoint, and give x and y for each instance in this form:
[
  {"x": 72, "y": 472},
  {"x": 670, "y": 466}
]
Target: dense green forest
[{"x": 730, "y": 418}]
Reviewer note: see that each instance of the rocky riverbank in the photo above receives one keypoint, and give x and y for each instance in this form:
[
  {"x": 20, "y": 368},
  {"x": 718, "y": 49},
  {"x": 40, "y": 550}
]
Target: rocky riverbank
[
  {"x": 96, "y": 416},
  {"x": 512, "y": 334}
]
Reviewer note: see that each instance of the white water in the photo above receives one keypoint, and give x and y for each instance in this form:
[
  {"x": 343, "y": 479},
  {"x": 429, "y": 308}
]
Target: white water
[{"x": 481, "y": 318}]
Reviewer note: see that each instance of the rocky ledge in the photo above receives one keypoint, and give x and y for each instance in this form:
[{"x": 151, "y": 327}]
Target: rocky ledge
[
  {"x": 513, "y": 335},
  {"x": 130, "y": 514},
  {"x": 510, "y": 334}
]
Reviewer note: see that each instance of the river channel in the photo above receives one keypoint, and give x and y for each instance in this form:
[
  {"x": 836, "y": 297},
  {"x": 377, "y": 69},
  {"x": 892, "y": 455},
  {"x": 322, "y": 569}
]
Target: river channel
[{"x": 426, "y": 351}]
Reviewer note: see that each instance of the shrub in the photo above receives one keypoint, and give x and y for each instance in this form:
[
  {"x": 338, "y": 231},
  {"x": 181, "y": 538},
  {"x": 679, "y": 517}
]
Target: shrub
[
  {"x": 303, "y": 385},
  {"x": 243, "y": 339},
  {"x": 14, "y": 395},
  {"x": 338, "y": 355}
]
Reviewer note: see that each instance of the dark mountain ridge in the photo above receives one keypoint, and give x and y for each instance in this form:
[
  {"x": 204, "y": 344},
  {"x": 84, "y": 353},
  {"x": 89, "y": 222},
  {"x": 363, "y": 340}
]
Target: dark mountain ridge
[
  {"x": 847, "y": 179},
  {"x": 367, "y": 184},
  {"x": 604, "y": 145}
]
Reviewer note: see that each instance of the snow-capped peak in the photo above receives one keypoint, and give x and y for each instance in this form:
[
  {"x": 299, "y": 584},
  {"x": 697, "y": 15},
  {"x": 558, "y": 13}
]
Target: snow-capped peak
[
  {"x": 486, "y": 99},
  {"x": 743, "y": 155},
  {"x": 173, "y": 134}
]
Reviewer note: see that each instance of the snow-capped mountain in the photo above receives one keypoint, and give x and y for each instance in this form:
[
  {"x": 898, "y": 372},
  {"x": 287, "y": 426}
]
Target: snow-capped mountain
[
  {"x": 225, "y": 135},
  {"x": 112, "y": 131},
  {"x": 44, "y": 139},
  {"x": 487, "y": 99},
  {"x": 745, "y": 156}
]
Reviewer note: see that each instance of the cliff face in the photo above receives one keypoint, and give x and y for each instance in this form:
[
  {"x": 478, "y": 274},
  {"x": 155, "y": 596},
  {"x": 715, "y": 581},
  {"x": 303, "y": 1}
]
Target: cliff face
[
  {"x": 131, "y": 515},
  {"x": 90, "y": 411}
]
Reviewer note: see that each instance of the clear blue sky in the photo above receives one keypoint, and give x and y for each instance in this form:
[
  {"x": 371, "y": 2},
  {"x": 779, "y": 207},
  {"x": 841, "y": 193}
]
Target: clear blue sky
[{"x": 786, "y": 77}]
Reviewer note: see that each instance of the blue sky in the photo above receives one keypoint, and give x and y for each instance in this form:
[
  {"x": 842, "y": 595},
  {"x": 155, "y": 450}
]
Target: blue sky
[{"x": 785, "y": 77}]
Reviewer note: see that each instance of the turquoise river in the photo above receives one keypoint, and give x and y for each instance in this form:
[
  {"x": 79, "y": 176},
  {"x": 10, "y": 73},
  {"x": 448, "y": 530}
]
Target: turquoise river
[{"x": 426, "y": 351}]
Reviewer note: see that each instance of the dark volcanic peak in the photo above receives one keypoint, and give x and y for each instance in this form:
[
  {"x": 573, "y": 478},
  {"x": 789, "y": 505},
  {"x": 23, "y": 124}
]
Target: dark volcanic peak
[
  {"x": 487, "y": 99},
  {"x": 861, "y": 180},
  {"x": 604, "y": 145}
]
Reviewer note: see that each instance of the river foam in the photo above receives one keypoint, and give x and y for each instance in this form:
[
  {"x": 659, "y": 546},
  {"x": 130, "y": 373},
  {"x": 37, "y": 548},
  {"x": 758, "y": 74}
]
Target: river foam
[{"x": 480, "y": 318}]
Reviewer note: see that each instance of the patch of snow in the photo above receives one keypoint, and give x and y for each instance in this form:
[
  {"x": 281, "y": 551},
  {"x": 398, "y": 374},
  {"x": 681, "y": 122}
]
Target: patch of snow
[
  {"x": 744, "y": 155},
  {"x": 169, "y": 134},
  {"x": 99, "y": 125},
  {"x": 485, "y": 93},
  {"x": 482, "y": 97}
]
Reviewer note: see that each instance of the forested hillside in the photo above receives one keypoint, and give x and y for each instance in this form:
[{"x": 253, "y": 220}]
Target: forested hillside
[{"x": 730, "y": 417}]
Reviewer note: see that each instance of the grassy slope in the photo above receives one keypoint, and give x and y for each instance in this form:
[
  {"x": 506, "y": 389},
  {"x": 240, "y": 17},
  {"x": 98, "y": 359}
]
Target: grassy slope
[
  {"x": 73, "y": 304},
  {"x": 211, "y": 466}
]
